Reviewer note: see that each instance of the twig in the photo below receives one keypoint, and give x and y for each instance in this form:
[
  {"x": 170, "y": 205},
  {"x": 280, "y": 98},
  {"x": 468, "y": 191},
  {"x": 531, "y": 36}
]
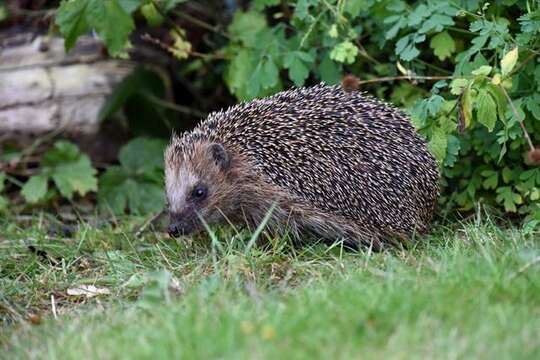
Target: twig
[
  {"x": 200, "y": 23},
  {"x": 404, "y": 77},
  {"x": 523, "y": 63},
  {"x": 521, "y": 124},
  {"x": 172, "y": 106}
]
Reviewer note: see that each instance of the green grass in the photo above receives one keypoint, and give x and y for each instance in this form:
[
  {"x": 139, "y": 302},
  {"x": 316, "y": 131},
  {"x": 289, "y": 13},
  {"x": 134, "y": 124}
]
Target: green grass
[{"x": 468, "y": 291}]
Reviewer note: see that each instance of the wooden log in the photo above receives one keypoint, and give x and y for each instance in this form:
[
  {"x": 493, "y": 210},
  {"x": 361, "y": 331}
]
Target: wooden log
[{"x": 43, "y": 89}]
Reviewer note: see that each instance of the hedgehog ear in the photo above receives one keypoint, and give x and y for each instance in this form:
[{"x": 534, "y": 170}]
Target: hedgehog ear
[{"x": 220, "y": 155}]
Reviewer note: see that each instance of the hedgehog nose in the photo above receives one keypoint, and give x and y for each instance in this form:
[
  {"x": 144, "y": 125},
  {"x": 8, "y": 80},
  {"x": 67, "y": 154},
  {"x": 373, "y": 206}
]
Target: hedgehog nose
[{"x": 174, "y": 230}]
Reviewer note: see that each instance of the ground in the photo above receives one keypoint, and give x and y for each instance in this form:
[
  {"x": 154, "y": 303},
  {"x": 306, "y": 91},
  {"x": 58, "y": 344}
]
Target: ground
[{"x": 469, "y": 290}]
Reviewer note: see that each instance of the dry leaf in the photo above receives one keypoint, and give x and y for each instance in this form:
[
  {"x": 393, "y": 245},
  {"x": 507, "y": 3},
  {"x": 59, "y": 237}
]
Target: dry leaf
[{"x": 88, "y": 291}]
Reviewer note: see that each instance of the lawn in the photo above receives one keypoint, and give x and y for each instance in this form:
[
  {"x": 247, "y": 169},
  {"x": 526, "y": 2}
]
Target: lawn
[{"x": 469, "y": 290}]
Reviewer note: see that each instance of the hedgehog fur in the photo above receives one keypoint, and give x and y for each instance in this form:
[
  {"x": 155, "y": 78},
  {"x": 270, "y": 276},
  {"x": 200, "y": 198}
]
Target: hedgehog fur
[{"x": 336, "y": 164}]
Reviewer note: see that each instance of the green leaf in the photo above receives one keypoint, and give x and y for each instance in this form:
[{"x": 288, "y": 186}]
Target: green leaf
[
  {"x": 71, "y": 20},
  {"x": 137, "y": 184},
  {"x": 71, "y": 170},
  {"x": 508, "y": 198},
  {"x": 405, "y": 47},
  {"x": 466, "y": 108},
  {"x": 142, "y": 156},
  {"x": 246, "y": 25},
  {"x": 486, "y": 110},
  {"x": 443, "y": 45},
  {"x": 458, "y": 85},
  {"x": 261, "y": 4},
  {"x": 239, "y": 72},
  {"x": 152, "y": 15},
  {"x": 4, "y": 14},
  {"x": 130, "y": 6},
  {"x": 120, "y": 191},
  {"x": 492, "y": 179},
  {"x": 75, "y": 177},
  {"x": 483, "y": 70},
  {"x": 113, "y": 192},
  {"x": 302, "y": 8},
  {"x": 295, "y": 62},
  {"x": 354, "y": 7},
  {"x": 35, "y": 189},
  {"x": 533, "y": 105},
  {"x": 112, "y": 23},
  {"x": 438, "y": 144},
  {"x": 329, "y": 71},
  {"x": 2, "y": 180},
  {"x": 344, "y": 52},
  {"x": 509, "y": 61}
]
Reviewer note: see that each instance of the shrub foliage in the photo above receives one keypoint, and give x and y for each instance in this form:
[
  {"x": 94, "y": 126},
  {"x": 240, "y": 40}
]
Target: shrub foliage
[{"x": 468, "y": 73}]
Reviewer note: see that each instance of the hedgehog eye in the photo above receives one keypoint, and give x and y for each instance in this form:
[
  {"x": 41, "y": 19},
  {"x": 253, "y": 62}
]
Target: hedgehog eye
[{"x": 199, "y": 192}]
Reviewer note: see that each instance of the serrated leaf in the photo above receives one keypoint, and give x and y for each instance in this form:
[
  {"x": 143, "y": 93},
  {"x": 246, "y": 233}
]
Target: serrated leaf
[
  {"x": 246, "y": 25},
  {"x": 142, "y": 156},
  {"x": 35, "y": 189},
  {"x": 443, "y": 45},
  {"x": 491, "y": 181},
  {"x": 238, "y": 73},
  {"x": 71, "y": 170},
  {"x": 533, "y": 105},
  {"x": 486, "y": 110},
  {"x": 508, "y": 198},
  {"x": 344, "y": 52},
  {"x": 71, "y": 20},
  {"x": 295, "y": 62},
  {"x": 458, "y": 85},
  {"x": 75, "y": 177},
  {"x": 120, "y": 191},
  {"x": 438, "y": 144},
  {"x": 509, "y": 61},
  {"x": 112, "y": 23}
]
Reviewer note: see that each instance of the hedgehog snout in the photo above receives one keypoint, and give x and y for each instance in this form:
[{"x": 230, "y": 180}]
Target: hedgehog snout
[{"x": 180, "y": 225}]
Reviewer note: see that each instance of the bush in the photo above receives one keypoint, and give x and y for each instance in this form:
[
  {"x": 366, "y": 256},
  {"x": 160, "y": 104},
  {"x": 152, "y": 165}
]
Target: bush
[{"x": 466, "y": 71}]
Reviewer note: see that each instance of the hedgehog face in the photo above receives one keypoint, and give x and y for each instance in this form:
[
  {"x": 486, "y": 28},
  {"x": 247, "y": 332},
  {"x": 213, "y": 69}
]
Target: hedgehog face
[{"x": 196, "y": 185}]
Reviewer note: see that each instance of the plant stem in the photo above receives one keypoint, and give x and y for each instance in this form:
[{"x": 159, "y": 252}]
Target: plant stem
[
  {"x": 404, "y": 77},
  {"x": 516, "y": 114}
]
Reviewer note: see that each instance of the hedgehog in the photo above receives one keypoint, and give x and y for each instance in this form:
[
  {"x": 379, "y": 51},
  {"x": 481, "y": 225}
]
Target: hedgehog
[{"x": 319, "y": 162}]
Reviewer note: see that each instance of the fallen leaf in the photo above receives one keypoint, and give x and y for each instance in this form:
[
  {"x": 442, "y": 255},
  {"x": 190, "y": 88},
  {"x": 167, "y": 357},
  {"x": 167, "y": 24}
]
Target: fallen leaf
[{"x": 88, "y": 291}]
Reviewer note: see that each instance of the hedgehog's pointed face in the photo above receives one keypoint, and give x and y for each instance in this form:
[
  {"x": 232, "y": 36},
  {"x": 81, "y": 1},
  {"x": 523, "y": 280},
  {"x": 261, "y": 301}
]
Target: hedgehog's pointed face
[{"x": 197, "y": 184}]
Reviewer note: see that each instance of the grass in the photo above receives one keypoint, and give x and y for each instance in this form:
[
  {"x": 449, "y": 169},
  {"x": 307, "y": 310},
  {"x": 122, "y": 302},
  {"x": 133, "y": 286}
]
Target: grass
[{"x": 469, "y": 291}]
